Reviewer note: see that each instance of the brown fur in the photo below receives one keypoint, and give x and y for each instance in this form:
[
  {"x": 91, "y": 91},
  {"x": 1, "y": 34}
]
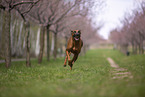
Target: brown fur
[{"x": 73, "y": 46}]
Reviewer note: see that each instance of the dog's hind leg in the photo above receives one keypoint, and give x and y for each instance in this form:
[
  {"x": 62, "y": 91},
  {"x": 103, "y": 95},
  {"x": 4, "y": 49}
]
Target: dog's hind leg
[
  {"x": 70, "y": 64},
  {"x": 70, "y": 67},
  {"x": 72, "y": 61},
  {"x": 74, "y": 58}
]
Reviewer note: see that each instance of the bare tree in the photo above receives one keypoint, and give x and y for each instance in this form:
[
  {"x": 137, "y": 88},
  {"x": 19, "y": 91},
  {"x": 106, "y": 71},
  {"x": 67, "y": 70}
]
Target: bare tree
[
  {"x": 132, "y": 32},
  {"x": 22, "y": 11},
  {"x": 41, "y": 44},
  {"x": 8, "y": 6},
  {"x": 37, "y": 16}
]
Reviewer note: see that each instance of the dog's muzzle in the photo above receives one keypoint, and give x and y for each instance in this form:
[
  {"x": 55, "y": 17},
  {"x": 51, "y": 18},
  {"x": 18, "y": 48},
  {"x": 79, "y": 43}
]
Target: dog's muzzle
[{"x": 76, "y": 36}]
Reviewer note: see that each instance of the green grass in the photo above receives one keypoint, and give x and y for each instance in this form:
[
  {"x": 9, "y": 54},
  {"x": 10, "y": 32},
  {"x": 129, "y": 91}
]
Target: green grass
[{"x": 91, "y": 77}]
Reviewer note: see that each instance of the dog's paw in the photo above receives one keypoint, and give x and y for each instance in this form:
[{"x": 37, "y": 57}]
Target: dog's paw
[{"x": 64, "y": 65}]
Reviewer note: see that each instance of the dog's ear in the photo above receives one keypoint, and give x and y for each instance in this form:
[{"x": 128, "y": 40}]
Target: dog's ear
[{"x": 79, "y": 31}]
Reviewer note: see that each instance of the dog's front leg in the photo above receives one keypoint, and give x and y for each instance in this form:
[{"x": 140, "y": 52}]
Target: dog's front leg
[
  {"x": 65, "y": 62},
  {"x": 68, "y": 56},
  {"x": 69, "y": 60}
]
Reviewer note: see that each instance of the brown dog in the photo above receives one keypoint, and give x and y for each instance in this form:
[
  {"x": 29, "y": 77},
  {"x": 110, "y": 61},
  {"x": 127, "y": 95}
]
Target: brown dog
[{"x": 74, "y": 46}]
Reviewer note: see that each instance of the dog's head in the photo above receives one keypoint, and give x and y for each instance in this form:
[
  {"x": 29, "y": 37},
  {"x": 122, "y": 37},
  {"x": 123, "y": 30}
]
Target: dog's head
[{"x": 76, "y": 34}]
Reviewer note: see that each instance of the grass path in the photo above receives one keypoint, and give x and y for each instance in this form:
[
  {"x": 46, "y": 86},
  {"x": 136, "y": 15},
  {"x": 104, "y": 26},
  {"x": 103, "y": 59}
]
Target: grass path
[
  {"x": 119, "y": 73},
  {"x": 91, "y": 77}
]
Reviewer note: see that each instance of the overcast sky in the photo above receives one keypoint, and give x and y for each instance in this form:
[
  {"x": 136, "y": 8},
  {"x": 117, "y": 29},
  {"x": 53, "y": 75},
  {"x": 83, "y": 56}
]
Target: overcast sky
[{"x": 112, "y": 14}]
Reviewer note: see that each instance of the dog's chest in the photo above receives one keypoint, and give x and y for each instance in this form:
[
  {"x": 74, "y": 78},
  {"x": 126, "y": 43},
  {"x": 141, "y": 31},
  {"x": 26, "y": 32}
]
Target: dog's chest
[{"x": 76, "y": 48}]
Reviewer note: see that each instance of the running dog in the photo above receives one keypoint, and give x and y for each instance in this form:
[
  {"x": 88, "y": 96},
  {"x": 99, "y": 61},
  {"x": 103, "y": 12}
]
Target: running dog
[{"x": 74, "y": 46}]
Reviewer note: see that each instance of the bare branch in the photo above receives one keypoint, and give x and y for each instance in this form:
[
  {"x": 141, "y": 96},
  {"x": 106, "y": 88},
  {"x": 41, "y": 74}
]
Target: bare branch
[
  {"x": 23, "y": 2},
  {"x": 6, "y": 1},
  {"x": 21, "y": 14},
  {"x": 30, "y": 7},
  {"x": 65, "y": 13},
  {"x": 2, "y": 7}
]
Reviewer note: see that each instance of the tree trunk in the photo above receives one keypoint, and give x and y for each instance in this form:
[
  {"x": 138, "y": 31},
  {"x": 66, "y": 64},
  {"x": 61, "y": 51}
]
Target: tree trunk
[
  {"x": 141, "y": 51},
  {"x": 132, "y": 47},
  {"x": 7, "y": 38},
  {"x": 48, "y": 44},
  {"x": 135, "y": 49},
  {"x": 55, "y": 46},
  {"x": 2, "y": 38},
  {"x": 27, "y": 25},
  {"x": 37, "y": 42},
  {"x": 41, "y": 44},
  {"x": 52, "y": 43}
]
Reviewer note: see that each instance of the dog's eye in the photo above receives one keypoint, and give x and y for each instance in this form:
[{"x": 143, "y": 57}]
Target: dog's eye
[
  {"x": 74, "y": 31},
  {"x": 79, "y": 32}
]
